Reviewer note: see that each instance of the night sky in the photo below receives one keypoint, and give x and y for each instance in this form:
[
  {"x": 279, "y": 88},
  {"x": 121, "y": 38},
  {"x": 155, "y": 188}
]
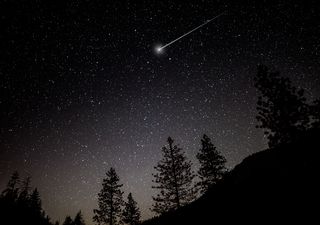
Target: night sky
[{"x": 82, "y": 88}]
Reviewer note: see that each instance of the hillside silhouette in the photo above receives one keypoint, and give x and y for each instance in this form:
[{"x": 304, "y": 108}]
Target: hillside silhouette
[{"x": 275, "y": 184}]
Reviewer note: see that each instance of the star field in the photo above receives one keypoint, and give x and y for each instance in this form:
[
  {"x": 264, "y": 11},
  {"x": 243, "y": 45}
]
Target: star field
[{"x": 83, "y": 90}]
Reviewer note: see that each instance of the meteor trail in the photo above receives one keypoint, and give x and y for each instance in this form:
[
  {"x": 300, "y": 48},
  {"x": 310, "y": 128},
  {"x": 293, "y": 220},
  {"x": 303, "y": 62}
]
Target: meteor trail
[{"x": 160, "y": 48}]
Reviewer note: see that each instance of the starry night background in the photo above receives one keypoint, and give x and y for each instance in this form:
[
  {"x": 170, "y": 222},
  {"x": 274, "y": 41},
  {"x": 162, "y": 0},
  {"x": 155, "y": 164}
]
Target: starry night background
[{"x": 83, "y": 90}]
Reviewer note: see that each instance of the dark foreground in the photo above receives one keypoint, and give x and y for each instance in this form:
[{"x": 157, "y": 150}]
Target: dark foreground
[{"x": 275, "y": 185}]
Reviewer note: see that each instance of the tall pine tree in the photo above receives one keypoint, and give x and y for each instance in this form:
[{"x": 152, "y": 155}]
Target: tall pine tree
[
  {"x": 35, "y": 202},
  {"x": 109, "y": 200},
  {"x": 131, "y": 212},
  {"x": 212, "y": 164},
  {"x": 174, "y": 180},
  {"x": 282, "y": 108}
]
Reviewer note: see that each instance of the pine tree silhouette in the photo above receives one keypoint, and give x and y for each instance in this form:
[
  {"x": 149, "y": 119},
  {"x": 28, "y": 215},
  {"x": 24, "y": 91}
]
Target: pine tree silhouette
[
  {"x": 68, "y": 221},
  {"x": 174, "y": 180},
  {"x": 25, "y": 188},
  {"x": 10, "y": 194},
  {"x": 109, "y": 200},
  {"x": 282, "y": 108},
  {"x": 212, "y": 164},
  {"x": 23, "y": 201},
  {"x": 78, "y": 220},
  {"x": 35, "y": 202},
  {"x": 131, "y": 212}
]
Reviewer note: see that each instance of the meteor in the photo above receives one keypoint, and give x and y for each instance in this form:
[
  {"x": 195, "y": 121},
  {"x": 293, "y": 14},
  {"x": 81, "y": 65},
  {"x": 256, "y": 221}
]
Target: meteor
[{"x": 159, "y": 49}]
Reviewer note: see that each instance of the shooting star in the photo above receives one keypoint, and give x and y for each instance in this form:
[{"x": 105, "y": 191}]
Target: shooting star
[{"x": 159, "y": 49}]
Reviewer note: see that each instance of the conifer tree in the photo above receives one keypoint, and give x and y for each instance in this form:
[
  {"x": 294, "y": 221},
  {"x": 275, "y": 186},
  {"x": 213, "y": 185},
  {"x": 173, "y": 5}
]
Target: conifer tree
[
  {"x": 131, "y": 212},
  {"x": 24, "y": 192},
  {"x": 10, "y": 194},
  {"x": 68, "y": 221},
  {"x": 18, "y": 206},
  {"x": 35, "y": 202},
  {"x": 109, "y": 200},
  {"x": 78, "y": 220},
  {"x": 282, "y": 108},
  {"x": 173, "y": 179},
  {"x": 212, "y": 164}
]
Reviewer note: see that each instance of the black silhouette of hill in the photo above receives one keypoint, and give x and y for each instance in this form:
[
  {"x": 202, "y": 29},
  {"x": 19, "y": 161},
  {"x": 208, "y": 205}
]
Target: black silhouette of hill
[{"x": 273, "y": 185}]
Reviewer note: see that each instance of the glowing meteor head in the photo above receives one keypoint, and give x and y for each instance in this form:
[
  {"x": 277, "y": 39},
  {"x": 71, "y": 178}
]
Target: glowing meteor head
[{"x": 158, "y": 49}]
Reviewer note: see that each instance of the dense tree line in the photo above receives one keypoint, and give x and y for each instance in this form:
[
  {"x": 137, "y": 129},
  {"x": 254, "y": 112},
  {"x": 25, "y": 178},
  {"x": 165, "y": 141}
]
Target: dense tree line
[
  {"x": 21, "y": 205},
  {"x": 174, "y": 180},
  {"x": 78, "y": 220}
]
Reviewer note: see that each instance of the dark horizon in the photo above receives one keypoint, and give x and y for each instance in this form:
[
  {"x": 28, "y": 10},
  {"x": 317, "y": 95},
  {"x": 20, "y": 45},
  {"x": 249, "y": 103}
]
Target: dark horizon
[{"x": 83, "y": 90}]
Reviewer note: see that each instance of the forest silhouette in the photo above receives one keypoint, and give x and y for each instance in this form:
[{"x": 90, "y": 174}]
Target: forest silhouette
[{"x": 279, "y": 182}]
